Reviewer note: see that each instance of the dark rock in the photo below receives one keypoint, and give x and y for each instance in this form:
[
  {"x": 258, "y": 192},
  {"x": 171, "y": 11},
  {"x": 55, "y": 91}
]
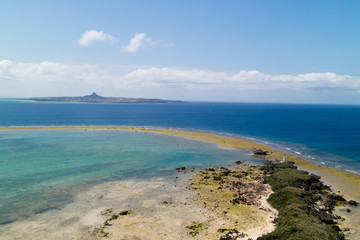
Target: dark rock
[
  {"x": 260, "y": 152},
  {"x": 181, "y": 169},
  {"x": 106, "y": 223},
  {"x": 232, "y": 234},
  {"x": 226, "y": 172},
  {"x": 337, "y": 197},
  {"x": 125, "y": 212},
  {"x": 353, "y": 203},
  {"x": 326, "y": 218},
  {"x": 336, "y": 228},
  {"x": 238, "y": 162},
  {"x": 341, "y": 236}
]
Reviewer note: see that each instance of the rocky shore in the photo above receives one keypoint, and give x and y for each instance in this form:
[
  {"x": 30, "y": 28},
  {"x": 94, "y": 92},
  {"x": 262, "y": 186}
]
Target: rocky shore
[
  {"x": 273, "y": 201},
  {"x": 215, "y": 203}
]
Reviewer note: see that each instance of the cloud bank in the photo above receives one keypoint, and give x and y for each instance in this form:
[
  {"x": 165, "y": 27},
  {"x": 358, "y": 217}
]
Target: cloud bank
[
  {"x": 92, "y": 36},
  {"x": 197, "y": 78},
  {"x": 60, "y": 75}
]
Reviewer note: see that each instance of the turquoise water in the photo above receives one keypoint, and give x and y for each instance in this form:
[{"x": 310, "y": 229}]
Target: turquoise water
[{"x": 42, "y": 170}]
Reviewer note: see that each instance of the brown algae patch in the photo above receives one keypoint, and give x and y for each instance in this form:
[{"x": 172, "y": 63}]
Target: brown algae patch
[{"x": 237, "y": 198}]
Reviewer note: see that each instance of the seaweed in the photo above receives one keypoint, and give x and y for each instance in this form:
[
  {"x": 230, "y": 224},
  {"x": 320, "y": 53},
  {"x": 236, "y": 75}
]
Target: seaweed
[{"x": 195, "y": 228}]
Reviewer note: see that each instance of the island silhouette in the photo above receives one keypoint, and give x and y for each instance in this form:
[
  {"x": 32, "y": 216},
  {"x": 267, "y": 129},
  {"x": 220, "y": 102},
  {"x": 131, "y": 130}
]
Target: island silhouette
[{"x": 95, "y": 98}]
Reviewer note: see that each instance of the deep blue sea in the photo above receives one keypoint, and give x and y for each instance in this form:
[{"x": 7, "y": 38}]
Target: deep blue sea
[{"x": 43, "y": 171}]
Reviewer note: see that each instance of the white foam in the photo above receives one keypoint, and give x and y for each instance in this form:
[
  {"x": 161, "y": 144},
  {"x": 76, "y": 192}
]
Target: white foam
[{"x": 352, "y": 171}]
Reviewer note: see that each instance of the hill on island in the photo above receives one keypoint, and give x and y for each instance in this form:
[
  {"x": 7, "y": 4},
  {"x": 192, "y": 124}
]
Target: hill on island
[{"x": 95, "y": 98}]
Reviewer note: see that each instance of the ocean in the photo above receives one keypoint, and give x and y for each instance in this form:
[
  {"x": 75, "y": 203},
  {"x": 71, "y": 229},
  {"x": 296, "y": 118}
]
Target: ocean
[
  {"x": 324, "y": 134},
  {"x": 43, "y": 171}
]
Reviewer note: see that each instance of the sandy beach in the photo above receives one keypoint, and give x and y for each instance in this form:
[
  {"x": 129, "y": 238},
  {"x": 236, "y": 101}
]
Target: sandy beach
[{"x": 342, "y": 182}]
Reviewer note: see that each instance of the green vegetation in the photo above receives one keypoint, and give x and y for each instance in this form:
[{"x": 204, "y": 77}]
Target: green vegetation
[
  {"x": 195, "y": 228},
  {"x": 304, "y": 203},
  {"x": 100, "y": 231},
  {"x": 126, "y": 212}
]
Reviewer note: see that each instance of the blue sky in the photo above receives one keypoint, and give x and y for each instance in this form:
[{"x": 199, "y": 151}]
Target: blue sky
[{"x": 242, "y": 51}]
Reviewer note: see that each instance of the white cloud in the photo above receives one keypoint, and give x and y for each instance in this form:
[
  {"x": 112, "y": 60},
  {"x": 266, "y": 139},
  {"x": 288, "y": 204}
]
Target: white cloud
[
  {"x": 92, "y": 36},
  {"x": 154, "y": 76},
  {"x": 197, "y": 78},
  {"x": 140, "y": 42},
  {"x": 6, "y": 69},
  {"x": 35, "y": 78},
  {"x": 257, "y": 80}
]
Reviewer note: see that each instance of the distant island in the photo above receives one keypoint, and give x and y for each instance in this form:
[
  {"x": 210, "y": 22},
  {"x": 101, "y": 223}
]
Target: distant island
[{"x": 94, "y": 98}]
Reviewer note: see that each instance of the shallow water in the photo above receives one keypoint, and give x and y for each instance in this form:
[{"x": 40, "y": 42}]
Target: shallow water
[
  {"x": 43, "y": 172},
  {"x": 76, "y": 220}
]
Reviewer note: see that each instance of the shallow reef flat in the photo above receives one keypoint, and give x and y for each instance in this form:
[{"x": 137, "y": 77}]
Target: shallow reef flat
[
  {"x": 193, "y": 216},
  {"x": 228, "y": 204},
  {"x": 202, "y": 205}
]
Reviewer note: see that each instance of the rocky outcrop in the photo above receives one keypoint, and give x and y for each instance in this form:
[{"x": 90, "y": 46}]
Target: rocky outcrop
[{"x": 260, "y": 152}]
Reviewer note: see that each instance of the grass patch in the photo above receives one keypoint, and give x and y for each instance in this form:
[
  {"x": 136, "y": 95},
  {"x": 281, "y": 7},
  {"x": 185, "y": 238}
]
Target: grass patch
[
  {"x": 196, "y": 227},
  {"x": 304, "y": 203}
]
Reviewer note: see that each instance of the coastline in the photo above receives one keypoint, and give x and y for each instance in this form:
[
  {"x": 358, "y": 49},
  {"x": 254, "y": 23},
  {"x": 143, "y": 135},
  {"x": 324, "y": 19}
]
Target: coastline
[{"x": 347, "y": 183}]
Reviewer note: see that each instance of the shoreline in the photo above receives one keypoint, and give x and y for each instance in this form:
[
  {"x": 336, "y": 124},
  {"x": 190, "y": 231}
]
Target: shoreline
[{"x": 335, "y": 177}]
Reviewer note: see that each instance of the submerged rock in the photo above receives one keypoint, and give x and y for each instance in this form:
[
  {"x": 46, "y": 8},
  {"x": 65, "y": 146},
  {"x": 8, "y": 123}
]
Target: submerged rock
[
  {"x": 260, "y": 152},
  {"x": 181, "y": 169}
]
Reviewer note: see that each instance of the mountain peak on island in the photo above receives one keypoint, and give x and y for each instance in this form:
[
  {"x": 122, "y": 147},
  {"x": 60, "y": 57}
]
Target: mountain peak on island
[{"x": 93, "y": 95}]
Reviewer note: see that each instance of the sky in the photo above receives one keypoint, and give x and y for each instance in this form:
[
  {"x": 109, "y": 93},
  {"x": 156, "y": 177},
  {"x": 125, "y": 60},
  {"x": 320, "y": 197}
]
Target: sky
[{"x": 300, "y": 51}]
